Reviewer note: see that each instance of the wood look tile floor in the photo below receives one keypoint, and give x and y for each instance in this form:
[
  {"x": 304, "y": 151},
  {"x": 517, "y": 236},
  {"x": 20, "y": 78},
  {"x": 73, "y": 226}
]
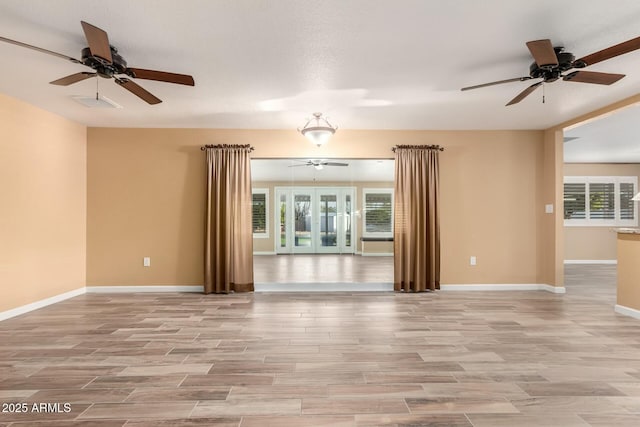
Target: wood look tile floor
[
  {"x": 322, "y": 268},
  {"x": 457, "y": 359}
]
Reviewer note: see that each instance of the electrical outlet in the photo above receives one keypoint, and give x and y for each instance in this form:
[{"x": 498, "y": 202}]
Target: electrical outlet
[
  {"x": 472, "y": 260},
  {"x": 146, "y": 261}
]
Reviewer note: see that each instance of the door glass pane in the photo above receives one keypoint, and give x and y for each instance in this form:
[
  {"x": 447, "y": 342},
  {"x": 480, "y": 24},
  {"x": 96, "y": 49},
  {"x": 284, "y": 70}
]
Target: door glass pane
[
  {"x": 302, "y": 217},
  {"x": 283, "y": 220},
  {"x": 328, "y": 220},
  {"x": 347, "y": 221}
]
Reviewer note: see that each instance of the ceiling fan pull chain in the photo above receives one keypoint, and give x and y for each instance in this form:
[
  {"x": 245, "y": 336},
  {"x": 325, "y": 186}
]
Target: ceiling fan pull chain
[
  {"x": 97, "y": 91},
  {"x": 543, "y": 92}
]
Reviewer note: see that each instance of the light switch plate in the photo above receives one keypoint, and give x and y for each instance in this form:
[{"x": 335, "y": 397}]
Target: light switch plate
[
  {"x": 548, "y": 208},
  {"x": 146, "y": 261}
]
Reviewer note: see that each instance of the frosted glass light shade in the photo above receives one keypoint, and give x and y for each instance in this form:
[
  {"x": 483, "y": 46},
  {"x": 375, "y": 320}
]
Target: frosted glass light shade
[
  {"x": 318, "y": 135},
  {"x": 318, "y": 130}
]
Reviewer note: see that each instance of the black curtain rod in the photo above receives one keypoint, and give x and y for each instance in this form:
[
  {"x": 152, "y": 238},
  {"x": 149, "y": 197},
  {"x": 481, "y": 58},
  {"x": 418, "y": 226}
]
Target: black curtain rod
[
  {"x": 419, "y": 147},
  {"x": 204, "y": 147}
]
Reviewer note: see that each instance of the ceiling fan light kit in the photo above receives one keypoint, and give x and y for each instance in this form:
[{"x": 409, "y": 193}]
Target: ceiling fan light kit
[
  {"x": 96, "y": 101},
  {"x": 106, "y": 62},
  {"x": 318, "y": 130},
  {"x": 551, "y": 63}
]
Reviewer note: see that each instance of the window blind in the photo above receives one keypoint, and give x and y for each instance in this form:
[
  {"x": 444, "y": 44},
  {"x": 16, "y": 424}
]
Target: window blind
[
  {"x": 602, "y": 201},
  {"x": 574, "y": 201},
  {"x": 378, "y": 212},
  {"x": 259, "y": 211},
  {"x": 627, "y": 191}
]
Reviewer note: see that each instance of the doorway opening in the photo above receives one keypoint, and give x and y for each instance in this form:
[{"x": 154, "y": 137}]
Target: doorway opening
[
  {"x": 310, "y": 223},
  {"x": 601, "y": 168}
]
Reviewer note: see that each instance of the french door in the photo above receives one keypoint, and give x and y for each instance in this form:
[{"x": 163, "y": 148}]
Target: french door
[{"x": 314, "y": 219}]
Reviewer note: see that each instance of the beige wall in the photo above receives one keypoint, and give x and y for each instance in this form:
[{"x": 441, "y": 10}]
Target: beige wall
[
  {"x": 594, "y": 243},
  {"x": 146, "y": 190},
  {"x": 43, "y": 204},
  {"x": 145, "y": 198},
  {"x": 550, "y": 241},
  {"x": 489, "y": 205}
]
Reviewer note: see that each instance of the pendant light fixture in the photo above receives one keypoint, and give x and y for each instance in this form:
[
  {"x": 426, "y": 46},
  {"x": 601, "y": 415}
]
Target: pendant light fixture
[{"x": 318, "y": 130}]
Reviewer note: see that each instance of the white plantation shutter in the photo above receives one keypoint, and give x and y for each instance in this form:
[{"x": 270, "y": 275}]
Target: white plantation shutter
[
  {"x": 259, "y": 211},
  {"x": 627, "y": 206},
  {"x": 600, "y": 200},
  {"x": 575, "y": 201},
  {"x": 378, "y": 212}
]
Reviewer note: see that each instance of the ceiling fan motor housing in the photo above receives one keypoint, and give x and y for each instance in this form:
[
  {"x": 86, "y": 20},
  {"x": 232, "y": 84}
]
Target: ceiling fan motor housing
[
  {"x": 566, "y": 61},
  {"x": 102, "y": 67}
]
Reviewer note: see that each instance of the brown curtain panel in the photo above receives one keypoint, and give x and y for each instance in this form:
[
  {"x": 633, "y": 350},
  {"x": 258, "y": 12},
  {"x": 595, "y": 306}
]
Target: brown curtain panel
[
  {"x": 416, "y": 230},
  {"x": 228, "y": 253}
]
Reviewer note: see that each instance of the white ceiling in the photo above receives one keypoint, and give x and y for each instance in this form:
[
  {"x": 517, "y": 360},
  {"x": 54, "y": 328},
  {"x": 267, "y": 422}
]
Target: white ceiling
[
  {"x": 613, "y": 138},
  {"x": 392, "y": 64},
  {"x": 295, "y": 170}
]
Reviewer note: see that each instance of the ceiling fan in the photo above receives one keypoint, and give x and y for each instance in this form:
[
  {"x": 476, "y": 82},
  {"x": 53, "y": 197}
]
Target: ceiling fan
[
  {"x": 551, "y": 62},
  {"x": 106, "y": 62},
  {"x": 318, "y": 164}
]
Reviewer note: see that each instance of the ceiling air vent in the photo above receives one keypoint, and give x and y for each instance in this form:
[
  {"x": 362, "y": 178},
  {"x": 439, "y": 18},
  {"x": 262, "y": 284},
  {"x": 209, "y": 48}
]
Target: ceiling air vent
[{"x": 95, "y": 102}]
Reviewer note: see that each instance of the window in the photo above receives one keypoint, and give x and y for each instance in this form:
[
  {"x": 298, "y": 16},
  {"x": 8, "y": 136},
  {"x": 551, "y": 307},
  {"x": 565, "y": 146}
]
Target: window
[
  {"x": 378, "y": 212},
  {"x": 260, "y": 212},
  {"x": 600, "y": 200}
]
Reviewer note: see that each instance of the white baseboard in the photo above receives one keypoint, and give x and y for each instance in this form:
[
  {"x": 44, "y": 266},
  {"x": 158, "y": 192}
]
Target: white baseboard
[
  {"x": 553, "y": 289},
  {"x": 590, "y": 261},
  {"x": 323, "y": 287},
  {"x": 377, "y": 253},
  {"x": 132, "y": 289},
  {"x": 39, "y": 304},
  {"x": 627, "y": 311},
  {"x": 503, "y": 287},
  {"x": 265, "y": 253}
]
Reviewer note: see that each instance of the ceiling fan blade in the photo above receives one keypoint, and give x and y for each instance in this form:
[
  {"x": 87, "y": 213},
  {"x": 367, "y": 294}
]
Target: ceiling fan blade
[
  {"x": 334, "y": 164},
  {"x": 611, "y": 52},
  {"x": 137, "y": 90},
  {"x": 522, "y": 95},
  {"x": 161, "y": 76},
  {"x": 39, "y": 49},
  {"x": 593, "y": 77},
  {"x": 517, "y": 79},
  {"x": 98, "y": 41},
  {"x": 543, "y": 53},
  {"x": 73, "y": 78}
]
